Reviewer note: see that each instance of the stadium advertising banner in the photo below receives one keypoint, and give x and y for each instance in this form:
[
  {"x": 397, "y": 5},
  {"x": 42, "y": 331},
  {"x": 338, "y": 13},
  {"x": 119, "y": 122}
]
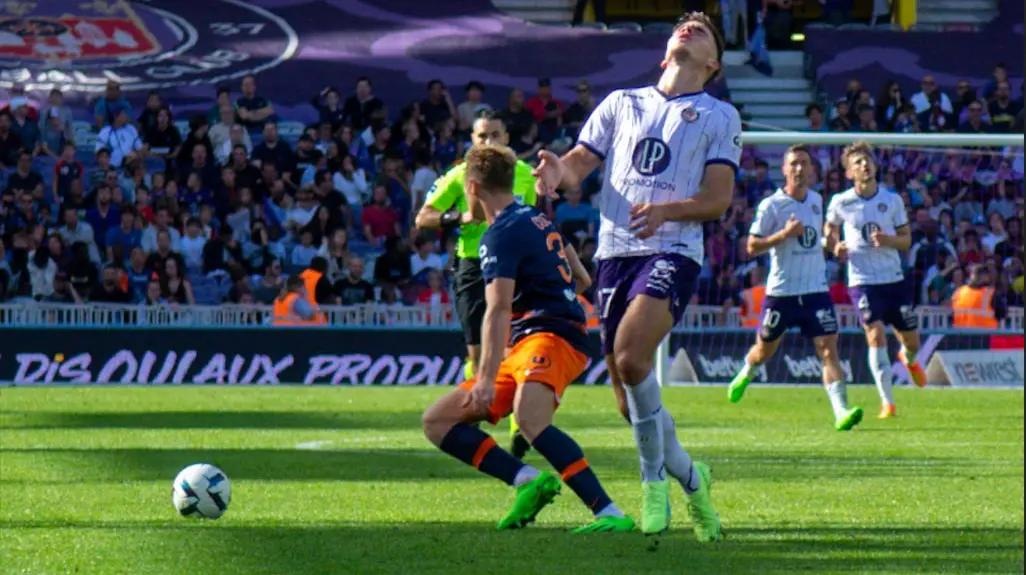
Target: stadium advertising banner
[{"x": 362, "y": 357}]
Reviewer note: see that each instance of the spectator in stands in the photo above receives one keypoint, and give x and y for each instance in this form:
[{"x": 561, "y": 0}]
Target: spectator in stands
[
  {"x": 273, "y": 150},
  {"x": 304, "y": 252},
  {"x": 546, "y": 111},
  {"x": 53, "y": 133},
  {"x": 138, "y": 274},
  {"x": 103, "y": 216},
  {"x": 527, "y": 146},
  {"x": 254, "y": 110},
  {"x": 424, "y": 256},
  {"x": 923, "y": 253},
  {"x": 841, "y": 121},
  {"x": 996, "y": 233},
  {"x": 574, "y": 218},
  {"x": 173, "y": 286},
  {"x": 330, "y": 110},
  {"x": 923, "y": 99},
  {"x": 148, "y": 118},
  {"x": 351, "y": 181},
  {"x": 935, "y": 118},
  {"x": 447, "y": 148},
  {"x": 221, "y": 135},
  {"x": 269, "y": 284},
  {"x": 10, "y": 143},
  {"x": 195, "y": 193},
  {"x": 121, "y": 138},
  {"x": 998, "y": 74},
  {"x": 67, "y": 174},
  {"x": 579, "y": 112},
  {"x": 198, "y": 136},
  {"x": 121, "y": 241},
  {"x": 74, "y": 231},
  {"x": 352, "y": 289},
  {"x": 361, "y": 106},
  {"x": 335, "y": 250},
  {"x": 865, "y": 119},
  {"x": 260, "y": 246},
  {"x": 223, "y": 97},
  {"x": 63, "y": 290},
  {"x": 307, "y": 157},
  {"x": 246, "y": 174},
  {"x": 467, "y": 111},
  {"x": 56, "y": 108},
  {"x": 109, "y": 290},
  {"x": 110, "y": 105},
  {"x": 519, "y": 119},
  {"x": 164, "y": 251},
  {"x": 937, "y": 285},
  {"x": 424, "y": 176},
  {"x": 759, "y": 184},
  {"x": 192, "y": 246},
  {"x": 435, "y": 297},
  {"x": 380, "y": 220},
  {"x": 392, "y": 268},
  {"x": 154, "y": 293},
  {"x": 24, "y": 127},
  {"x": 438, "y": 106},
  {"x": 888, "y": 105},
  {"x": 906, "y": 122},
  {"x": 974, "y": 123},
  {"x": 964, "y": 95},
  {"x": 814, "y": 114},
  {"x": 42, "y": 271},
  {"x": 161, "y": 223},
  {"x": 25, "y": 180},
  {"x": 1002, "y": 109}
]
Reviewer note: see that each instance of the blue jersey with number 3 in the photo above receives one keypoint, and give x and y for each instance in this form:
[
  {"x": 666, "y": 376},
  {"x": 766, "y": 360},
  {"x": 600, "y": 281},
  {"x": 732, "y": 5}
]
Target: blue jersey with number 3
[{"x": 524, "y": 246}]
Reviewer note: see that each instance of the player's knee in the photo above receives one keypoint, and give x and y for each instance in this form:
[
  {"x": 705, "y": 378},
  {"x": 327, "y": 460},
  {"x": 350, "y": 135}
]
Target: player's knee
[
  {"x": 435, "y": 427},
  {"x": 531, "y": 426},
  {"x": 631, "y": 368}
]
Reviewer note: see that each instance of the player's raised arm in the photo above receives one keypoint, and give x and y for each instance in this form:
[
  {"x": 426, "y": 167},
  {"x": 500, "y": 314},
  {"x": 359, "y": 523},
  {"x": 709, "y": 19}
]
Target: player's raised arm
[{"x": 554, "y": 172}]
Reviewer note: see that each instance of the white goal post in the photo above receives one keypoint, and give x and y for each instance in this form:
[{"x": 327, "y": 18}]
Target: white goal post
[{"x": 787, "y": 138}]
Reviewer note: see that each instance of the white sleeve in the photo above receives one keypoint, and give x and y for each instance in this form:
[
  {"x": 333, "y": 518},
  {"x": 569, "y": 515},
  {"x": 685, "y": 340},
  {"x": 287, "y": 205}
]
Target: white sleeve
[
  {"x": 764, "y": 223},
  {"x": 833, "y": 216},
  {"x": 899, "y": 214},
  {"x": 725, "y": 147},
  {"x": 600, "y": 129}
]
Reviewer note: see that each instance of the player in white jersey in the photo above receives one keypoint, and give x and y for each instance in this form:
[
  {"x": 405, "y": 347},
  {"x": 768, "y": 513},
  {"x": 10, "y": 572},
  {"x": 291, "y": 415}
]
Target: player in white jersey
[
  {"x": 671, "y": 154},
  {"x": 875, "y": 228},
  {"x": 787, "y": 225}
]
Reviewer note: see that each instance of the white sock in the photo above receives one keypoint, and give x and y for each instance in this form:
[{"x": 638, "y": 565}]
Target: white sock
[
  {"x": 880, "y": 365},
  {"x": 610, "y": 510},
  {"x": 644, "y": 403},
  {"x": 838, "y": 394},
  {"x": 525, "y": 475},
  {"x": 677, "y": 460},
  {"x": 747, "y": 370}
]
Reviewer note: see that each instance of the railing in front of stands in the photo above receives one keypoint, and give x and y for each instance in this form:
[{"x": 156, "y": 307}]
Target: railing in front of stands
[{"x": 35, "y": 314}]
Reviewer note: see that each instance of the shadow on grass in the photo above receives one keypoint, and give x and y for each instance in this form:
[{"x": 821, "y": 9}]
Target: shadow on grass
[
  {"x": 427, "y": 463},
  {"x": 455, "y": 548}
]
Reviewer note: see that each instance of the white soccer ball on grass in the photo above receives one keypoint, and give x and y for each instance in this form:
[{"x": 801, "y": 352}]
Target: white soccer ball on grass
[{"x": 201, "y": 491}]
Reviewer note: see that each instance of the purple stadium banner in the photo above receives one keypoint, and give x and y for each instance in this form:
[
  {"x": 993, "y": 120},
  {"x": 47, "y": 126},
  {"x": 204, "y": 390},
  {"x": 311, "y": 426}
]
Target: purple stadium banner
[
  {"x": 298, "y": 46},
  {"x": 873, "y": 57}
]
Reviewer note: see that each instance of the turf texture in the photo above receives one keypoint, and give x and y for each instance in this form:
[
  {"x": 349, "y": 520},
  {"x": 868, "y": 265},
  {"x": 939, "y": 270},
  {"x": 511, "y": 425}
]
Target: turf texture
[{"x": 340, "y": 480}]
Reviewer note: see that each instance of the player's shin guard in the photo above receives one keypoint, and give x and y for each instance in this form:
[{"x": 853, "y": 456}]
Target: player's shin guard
[
  {"x": 566, "y": 456},
  {"x": 880, "y": 366},
  {"x": 678, "y": 461},
  {"x": 477, "y": 449},
  {"x": 645, "y": 404}
]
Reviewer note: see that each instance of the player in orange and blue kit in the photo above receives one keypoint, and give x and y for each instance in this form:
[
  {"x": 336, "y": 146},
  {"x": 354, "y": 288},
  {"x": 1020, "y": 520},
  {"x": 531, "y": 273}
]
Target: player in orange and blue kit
[{"x": 531, "y": 304}]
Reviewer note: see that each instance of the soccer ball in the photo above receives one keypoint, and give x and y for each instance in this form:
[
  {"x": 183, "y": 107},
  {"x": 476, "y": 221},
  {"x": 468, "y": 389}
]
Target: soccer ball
[{"x": 202, "y": 491}]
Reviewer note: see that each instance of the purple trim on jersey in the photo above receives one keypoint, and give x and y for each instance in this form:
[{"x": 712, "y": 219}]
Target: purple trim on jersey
[
  {"x": 593, "y": 150},
  {"x": 685, "y": 95},
  {"x": 723, "y": 161},
  {"x": 661, "y": 276}
]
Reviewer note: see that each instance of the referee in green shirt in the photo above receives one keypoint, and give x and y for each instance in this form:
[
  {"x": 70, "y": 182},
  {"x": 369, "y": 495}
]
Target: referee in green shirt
[{"x": 446, "y": 207}]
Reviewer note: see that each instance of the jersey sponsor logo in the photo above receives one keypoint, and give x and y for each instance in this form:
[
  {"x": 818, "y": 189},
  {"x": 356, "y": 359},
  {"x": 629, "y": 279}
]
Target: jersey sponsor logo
[
  {"x": 808, "y": 238},
  {"x": 142, "y": 45},
  {"x": 867, "y": 230},
  {"x": 651, "y": 157},
  {"x": 661, "y": 276},
  {"x": 826, "y": 319},
  {"x": 882, "y": 207},
  {"x": 689, "y": 113}
]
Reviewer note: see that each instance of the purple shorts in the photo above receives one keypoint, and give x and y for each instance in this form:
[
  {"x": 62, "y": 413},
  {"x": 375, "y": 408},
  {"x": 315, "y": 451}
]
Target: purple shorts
[
  {"x": 661, "y": 276},
  {"x": 889, "y": 303}
]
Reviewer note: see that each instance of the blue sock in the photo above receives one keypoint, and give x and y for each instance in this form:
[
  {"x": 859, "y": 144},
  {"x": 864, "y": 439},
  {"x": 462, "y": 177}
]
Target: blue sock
[
  {"x": 566, "y": 456},
  {"x": 477, "y": 449}
]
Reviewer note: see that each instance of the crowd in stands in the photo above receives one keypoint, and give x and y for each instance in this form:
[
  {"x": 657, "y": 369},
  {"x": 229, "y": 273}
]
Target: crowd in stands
[{"x": 225, "y": 207}]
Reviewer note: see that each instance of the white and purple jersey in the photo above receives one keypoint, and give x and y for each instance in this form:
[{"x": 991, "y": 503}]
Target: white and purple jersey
[
  {"x": 656, "y": 149},
  {"x": 797, "y": 265},
  {"x": 859, "y": 217}
]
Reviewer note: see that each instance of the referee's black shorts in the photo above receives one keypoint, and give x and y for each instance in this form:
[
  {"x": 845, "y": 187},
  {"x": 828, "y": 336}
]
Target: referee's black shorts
[{"x": 470, "y": 298}]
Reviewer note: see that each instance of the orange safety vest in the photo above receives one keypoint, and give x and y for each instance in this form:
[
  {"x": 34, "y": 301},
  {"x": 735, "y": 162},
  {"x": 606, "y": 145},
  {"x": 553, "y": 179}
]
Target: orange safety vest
[
  {"x": 591, "y": 318},
  {"x": 310, "y": 278},
  {"x": 752, "y": 299},
  {"x": 972, "y": 307}
]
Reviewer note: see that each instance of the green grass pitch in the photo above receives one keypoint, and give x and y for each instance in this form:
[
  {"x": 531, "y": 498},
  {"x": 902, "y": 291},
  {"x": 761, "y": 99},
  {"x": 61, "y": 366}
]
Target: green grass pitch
[{"x": 340, "y": 480}]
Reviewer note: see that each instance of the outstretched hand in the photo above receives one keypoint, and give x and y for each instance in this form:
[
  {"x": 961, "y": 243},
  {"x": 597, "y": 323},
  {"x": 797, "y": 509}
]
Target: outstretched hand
[{"x": 548, "y": 174}]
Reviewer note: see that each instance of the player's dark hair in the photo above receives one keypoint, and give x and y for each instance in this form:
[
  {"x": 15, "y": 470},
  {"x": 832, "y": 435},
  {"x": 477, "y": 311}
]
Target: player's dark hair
[
  {"x": 704, "y": 20},
  {"x": 492, "y": 167},
  {"x": 798, "y": 148}
]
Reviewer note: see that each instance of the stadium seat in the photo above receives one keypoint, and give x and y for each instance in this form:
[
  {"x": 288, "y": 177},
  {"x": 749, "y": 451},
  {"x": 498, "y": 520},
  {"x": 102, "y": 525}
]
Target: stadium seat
[{"x": 627, "y": 26}]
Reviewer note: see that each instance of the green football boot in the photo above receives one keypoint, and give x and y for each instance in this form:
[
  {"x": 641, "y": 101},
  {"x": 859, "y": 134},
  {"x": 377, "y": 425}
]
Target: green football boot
[
  {"x": 608, "y": 524},
  {"x": 532, "y": 497},
  {"x": 655, "y": 506},
  {"x": 700, "y": 507},
  {"x": 850, "y": 419}
]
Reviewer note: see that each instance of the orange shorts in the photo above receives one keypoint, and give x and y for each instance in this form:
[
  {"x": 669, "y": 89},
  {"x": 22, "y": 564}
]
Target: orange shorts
[{"x": 543, "y": 357}]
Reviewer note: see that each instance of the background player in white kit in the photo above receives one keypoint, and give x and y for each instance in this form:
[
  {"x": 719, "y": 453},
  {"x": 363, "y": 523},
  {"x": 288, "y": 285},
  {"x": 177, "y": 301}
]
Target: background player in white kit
[
  {"x": 875, "y": 228},
  {"x": 671, "y": 154},
  {"x": 787, "y": 225}
]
